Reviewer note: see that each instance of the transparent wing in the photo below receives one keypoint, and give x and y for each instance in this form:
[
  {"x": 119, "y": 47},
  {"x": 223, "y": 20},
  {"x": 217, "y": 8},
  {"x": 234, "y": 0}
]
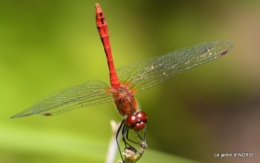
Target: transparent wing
[
  {"x": 90, "y": 93},
  {"x": 144, "y": 74}
]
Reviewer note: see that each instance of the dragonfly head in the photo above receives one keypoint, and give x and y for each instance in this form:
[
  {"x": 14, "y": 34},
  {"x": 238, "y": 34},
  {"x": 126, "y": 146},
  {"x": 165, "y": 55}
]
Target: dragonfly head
[{"x": 136, "y": 121}]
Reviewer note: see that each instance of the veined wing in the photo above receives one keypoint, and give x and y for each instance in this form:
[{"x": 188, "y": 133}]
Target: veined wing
[
  {"x": 90, "y": 93},
  {"x": 144, "y": 74}
]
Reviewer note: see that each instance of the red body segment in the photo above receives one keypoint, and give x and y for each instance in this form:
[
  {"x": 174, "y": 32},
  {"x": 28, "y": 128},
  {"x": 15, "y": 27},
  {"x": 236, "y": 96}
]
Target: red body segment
[
  {"x": 125, "y": 101},
  {"x": 104, "y": 35}
]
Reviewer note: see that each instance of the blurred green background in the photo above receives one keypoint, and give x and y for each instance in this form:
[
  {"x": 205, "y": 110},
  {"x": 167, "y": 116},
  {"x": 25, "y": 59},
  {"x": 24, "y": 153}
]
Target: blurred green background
[{"x": 50, "y": 45}]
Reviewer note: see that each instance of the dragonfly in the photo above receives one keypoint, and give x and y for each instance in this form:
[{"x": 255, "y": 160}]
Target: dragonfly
[{"x": 127, "y": 81}]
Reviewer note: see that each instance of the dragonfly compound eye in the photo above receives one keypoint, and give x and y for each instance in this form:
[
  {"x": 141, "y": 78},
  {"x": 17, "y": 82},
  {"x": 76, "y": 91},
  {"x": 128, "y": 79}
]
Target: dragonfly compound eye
[{"x": 136, "y": 121}]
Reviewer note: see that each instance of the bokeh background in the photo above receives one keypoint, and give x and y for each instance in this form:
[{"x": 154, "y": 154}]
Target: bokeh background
[{"x": 50, "y": 45}]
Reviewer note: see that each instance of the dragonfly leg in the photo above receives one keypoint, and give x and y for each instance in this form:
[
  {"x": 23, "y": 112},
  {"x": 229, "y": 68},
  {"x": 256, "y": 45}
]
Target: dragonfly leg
[
  {"x": 137, "y": 133},
  {"x": 117, "y": 134}
]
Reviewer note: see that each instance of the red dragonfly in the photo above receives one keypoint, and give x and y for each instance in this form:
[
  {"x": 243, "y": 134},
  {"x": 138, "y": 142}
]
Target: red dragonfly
[{"x": 126, "y": 81}]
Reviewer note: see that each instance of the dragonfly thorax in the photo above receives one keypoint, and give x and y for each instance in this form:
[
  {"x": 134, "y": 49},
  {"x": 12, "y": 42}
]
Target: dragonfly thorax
[
  {"x": 125, "y": 101},
  {"x": 127, "y": 106}
]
